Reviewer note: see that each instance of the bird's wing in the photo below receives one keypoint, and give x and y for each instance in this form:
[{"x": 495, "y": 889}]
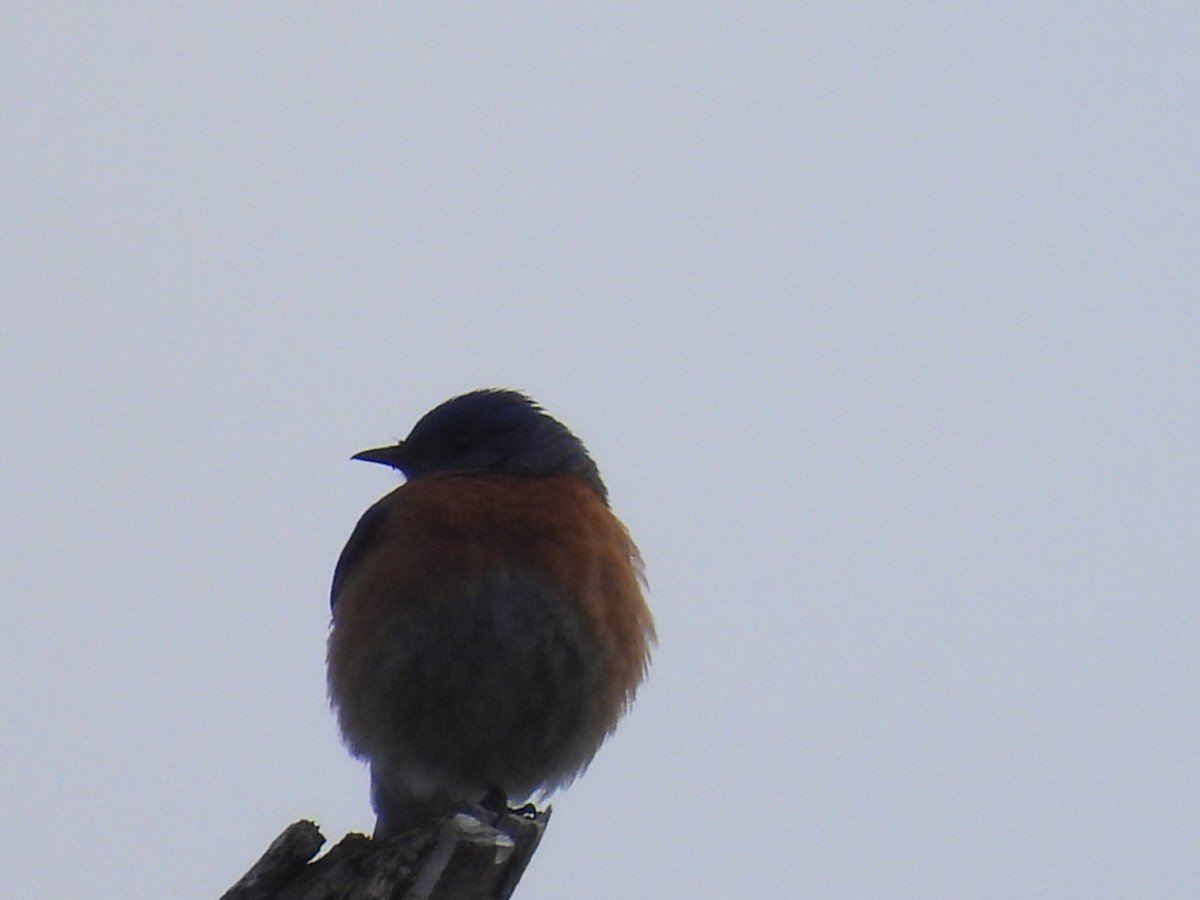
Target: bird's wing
[{"x": 364, "y": 536}]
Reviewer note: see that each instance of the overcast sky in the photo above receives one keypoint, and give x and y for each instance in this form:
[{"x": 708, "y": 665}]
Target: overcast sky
[{"x": 882, "y": 321}]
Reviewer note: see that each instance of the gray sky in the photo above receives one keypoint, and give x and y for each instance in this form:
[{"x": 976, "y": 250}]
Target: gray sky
[{"x": 881, "y": 320}]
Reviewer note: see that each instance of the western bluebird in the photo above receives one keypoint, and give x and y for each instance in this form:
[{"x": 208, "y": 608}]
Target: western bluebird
[{"x": 488, "y": 622}]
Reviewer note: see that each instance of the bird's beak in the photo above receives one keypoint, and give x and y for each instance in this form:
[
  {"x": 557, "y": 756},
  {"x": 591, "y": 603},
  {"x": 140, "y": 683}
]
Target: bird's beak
[{"x": 392, "y": 455}]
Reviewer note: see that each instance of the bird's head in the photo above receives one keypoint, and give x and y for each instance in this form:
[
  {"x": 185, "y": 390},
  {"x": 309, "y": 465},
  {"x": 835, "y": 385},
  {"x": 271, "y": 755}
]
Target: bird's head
[{"x": 493, "y": 431}]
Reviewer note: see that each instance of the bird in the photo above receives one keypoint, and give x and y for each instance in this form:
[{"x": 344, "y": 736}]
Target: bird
[{"x": 489, "y": 627}]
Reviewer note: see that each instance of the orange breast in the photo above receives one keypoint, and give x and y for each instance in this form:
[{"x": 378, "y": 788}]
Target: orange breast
[{"x": 440, "y": 537}]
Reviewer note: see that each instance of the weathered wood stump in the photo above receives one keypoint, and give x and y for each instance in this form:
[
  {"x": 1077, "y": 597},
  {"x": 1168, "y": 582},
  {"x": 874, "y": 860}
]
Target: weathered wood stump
[{"x": 475, "y": 854}]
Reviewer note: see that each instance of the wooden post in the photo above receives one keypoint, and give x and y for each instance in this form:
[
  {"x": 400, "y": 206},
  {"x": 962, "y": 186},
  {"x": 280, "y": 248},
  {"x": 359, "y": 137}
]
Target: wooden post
[{"x": 475, "y": 854}]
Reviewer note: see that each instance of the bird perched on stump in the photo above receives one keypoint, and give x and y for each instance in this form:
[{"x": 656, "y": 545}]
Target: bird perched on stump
[{"x": 488, "y": 622}]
